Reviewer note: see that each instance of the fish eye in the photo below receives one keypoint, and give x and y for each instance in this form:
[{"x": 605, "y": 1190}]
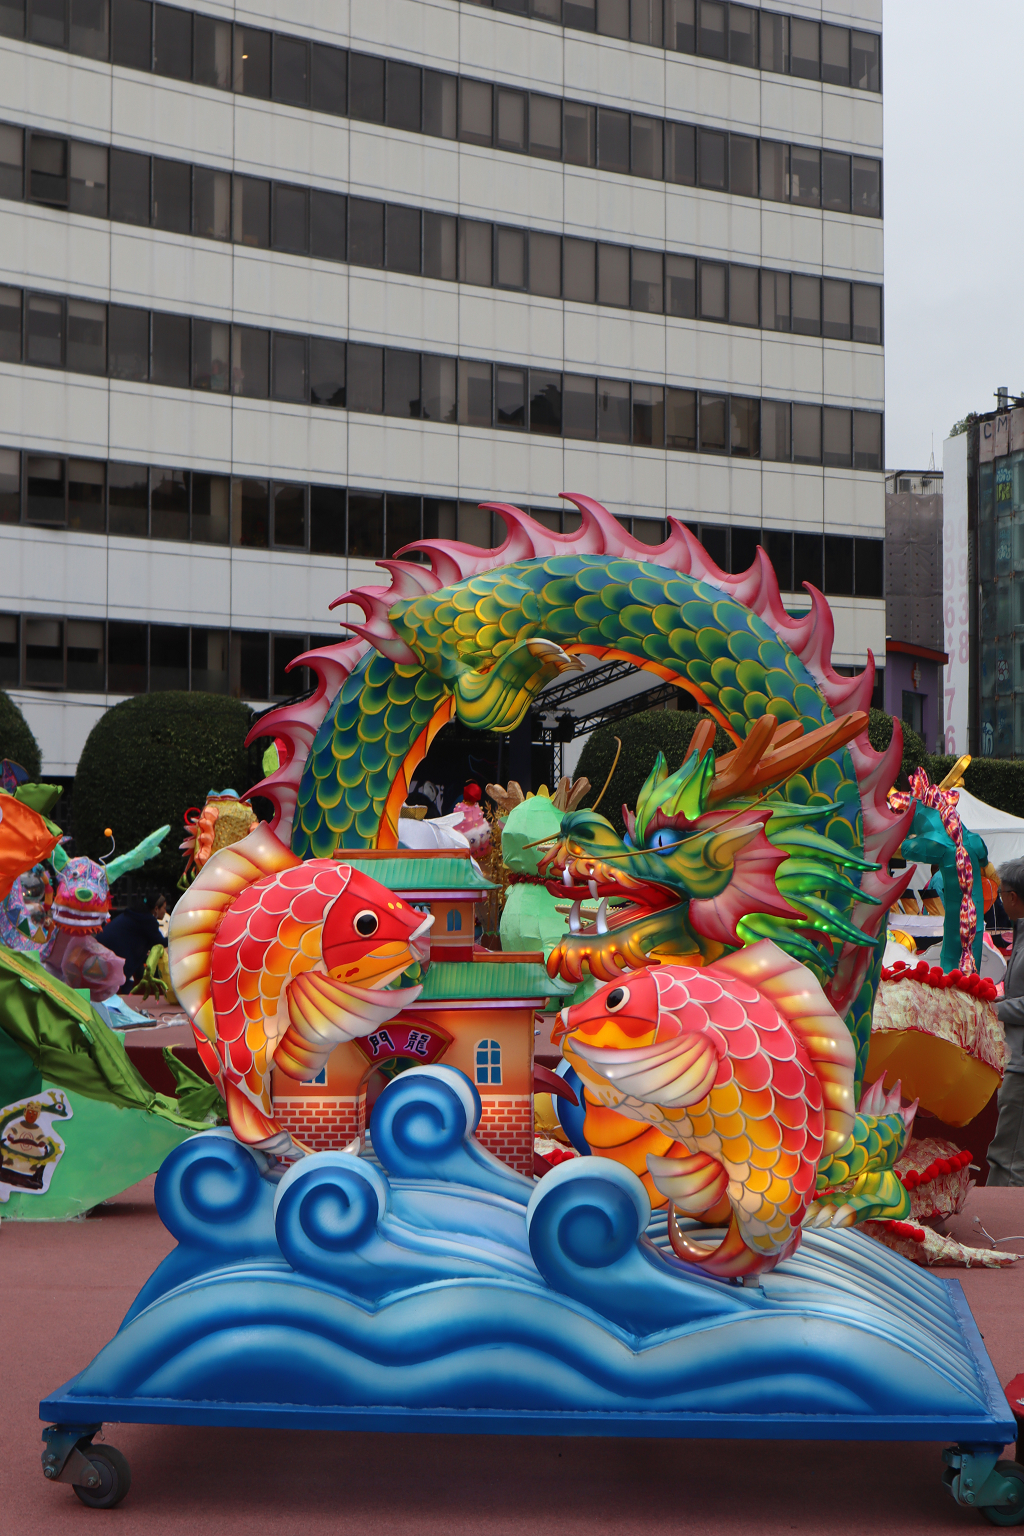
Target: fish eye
[
  {"x": 617, "y": 999},
  {"x": 366, "y": 923}
]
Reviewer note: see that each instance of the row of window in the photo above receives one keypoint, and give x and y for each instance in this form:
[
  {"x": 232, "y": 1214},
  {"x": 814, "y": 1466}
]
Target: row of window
[
  {"x": 98, "y": 656},
  {"x": 184, "y": 45},
  {"x": 121, "y": 342},
  {"x": 140, "y": 501},
  {"x": 741, "y": 34},
  {"x": 116, "y": 656},
  {"x": 185, "y": 199},
  {"x": 404, "y": 96}
]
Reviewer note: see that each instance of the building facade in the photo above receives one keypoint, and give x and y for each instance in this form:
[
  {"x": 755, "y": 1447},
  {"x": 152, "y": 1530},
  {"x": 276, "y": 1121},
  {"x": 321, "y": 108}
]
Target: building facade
[
  {"x": 285, "y": 287},
  {"x": 914, "y": 654}
]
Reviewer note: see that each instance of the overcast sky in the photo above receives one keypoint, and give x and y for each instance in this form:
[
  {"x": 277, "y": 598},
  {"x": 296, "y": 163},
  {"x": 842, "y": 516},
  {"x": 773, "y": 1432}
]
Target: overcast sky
[{"x": 954, "y": 217}]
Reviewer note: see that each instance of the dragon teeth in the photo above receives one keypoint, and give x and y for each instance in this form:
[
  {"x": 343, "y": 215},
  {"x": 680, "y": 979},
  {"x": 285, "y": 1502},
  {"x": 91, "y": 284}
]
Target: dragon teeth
[
  {"x": 593, "y": 888},
  {"x": 574, "y": 918},
  {"x": 567, "y": 878},
  {"x": 602, "y": 916}
]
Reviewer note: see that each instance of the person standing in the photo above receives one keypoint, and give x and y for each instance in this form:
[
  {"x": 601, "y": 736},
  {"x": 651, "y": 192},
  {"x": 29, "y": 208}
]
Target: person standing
[
  {"x": 132, "y": 935},
  {"x": 1006, "y": 1151}
]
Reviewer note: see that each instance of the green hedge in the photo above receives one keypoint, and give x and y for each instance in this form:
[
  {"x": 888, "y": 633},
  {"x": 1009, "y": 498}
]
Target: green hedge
[
  {"x": 999, "y": 781},
  {"x": 16, "y": 739},
  {"x": 148, "y": 759},
  {"x": 914, "y": 753},
  {"x": 643, "y": 736}
]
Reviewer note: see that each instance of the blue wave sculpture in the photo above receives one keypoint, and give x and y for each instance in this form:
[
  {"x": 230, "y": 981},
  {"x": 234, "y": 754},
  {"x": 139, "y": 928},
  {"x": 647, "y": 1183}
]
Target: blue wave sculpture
[{"x": 441, "y": 1290}]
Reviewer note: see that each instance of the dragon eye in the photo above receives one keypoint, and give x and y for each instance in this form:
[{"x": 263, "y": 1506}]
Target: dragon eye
[
  {"x": 664, "y": 838},
  {"x": 366, "y": 923},
  {"x": 617, "y": 999}
]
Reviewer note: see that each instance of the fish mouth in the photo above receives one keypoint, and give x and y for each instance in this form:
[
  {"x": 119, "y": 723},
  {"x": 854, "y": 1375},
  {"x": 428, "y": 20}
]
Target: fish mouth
[
  {"x": 574, "y": 874},
  {"x": 419, "y": 942}
]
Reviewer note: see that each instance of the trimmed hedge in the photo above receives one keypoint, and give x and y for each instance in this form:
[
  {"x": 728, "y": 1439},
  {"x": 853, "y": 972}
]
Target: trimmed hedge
[
  {"x": 999, "y": 781},
  {"x": 16, "y": 739},
  {"x": 643, "y": 736},
  {"x": 914, "y": 754},
  {"x": 151, "y": 757}
]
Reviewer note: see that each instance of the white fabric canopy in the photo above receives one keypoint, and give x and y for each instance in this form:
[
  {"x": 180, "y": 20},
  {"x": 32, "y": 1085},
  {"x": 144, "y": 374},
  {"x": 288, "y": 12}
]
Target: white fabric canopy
[{"x": 1003, "y": 833}]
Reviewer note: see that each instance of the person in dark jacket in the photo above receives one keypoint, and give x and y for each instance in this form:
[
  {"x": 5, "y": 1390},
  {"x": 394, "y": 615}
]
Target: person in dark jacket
[
  {"x": 132, "y": 935},
  {"x": 1006, "y": 1150}
]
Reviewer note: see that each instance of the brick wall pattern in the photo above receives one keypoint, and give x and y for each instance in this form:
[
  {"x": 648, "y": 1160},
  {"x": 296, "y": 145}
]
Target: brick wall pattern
[
  {"x": 506, "y": 1129},
  {"x": 327, "y": 1124}
]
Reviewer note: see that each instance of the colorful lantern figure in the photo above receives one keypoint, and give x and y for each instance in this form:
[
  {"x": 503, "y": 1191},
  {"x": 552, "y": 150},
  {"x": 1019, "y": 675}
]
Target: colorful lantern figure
[
  {"x": 277, "y": 961},
  {"x": 472, "y": 823},
  {"x": 25, "y": 912},
  {"x": 80, "y": 909},
  {"x": 222, "y": 820}
]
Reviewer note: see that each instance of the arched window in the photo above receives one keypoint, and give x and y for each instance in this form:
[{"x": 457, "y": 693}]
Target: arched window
[
  {"x": 488, "y": 1062},
  {"x": 454, "y": 920}
]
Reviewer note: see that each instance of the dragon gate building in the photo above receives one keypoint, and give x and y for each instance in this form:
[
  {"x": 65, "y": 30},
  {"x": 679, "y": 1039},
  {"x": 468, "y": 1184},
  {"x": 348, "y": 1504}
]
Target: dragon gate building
[{"x": 284, "y": 287}]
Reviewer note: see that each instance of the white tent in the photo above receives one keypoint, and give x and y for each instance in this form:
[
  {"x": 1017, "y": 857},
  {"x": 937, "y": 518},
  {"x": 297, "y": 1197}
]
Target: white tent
[{"x": 1003, "y": 833}]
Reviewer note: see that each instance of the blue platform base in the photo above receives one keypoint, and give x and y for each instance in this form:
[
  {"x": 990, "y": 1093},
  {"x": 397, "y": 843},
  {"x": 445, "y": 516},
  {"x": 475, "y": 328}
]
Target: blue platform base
[{"x": 440, "y": 1291}]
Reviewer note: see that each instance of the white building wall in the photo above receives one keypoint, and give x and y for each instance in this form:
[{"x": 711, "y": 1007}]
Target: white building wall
[{"x": 44, "y": 571}]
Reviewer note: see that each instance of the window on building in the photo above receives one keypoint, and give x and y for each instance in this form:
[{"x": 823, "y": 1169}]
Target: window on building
[
  {"x": 128, "y": 501},
  {"x": 778, "y": 546},
  {"x": 869, "y": 567},
  {"x": 867, "y": 186},
  {"x": 836, "y": 309},
  {"x": 44, "y": 331},
  {"x": 865, "y": 61},
  {"x": 169, "y": 498},
  {"x": 838, "y": 565},
  {"x": 545, "y": 127},
  {"x": 714, "y": 424},
  {"x": 290, "y": 206},
  {"x": 126, "y": 658},
  {"x": 744, "y": 428},
  {"x": 680, "y": 26},
  {"x": 867, "y": 313},
  {"x": 807, "y": 434},
  {"x": 440, "y": 104},
  {"x": 250, "y": 513},
  {"x": 806, "y": 304},
  {"x": 209, "y": 660},
  {"x": 775, "y": 431},
  {"x": 476, "y": 112},
  {"x": 127, "y": 342},
  {"x": 613, "y": 18},
  {"x": 712, "y": 34},
  {"x": 90, "y": 29},
  {"x": 404, "y": 96},
  {"x": 328, "y": 79},
  {"x": 867, "y": 440},
  {"x": 365, "y": 378},
  {"x": 807, "y": 560},
  {"x": 284, "y": 649},
  {"x": 805, "y": 175},
  {"x": 289, "y": 376},
  {"x": 211, "y": 53},
  {"x": 743, "y": 35},
  {"x": 366, "y": 232},
  {"x": 804, "y": 49},
  {"x": 48, "y": 169},
  {"x": 10, "y": 650},
  {"x": 290, "y": 79},
  {"x": 647, "y": 137},
  {"x": 326, "y": 524},
  {"x": 250, "y": 662},
  {"x": 403, "y": 522},
  {"x": 713, "y": 290},
  {"x": 211, "y": 356},
  {"x": 403, "y": 239},
  {"x": 437, "y": 388},
  {"x": 170, "y": 362},
  {"x": 647, "y": 282},
  {"x": 774, "y": 172},
  {"x": 545, "y": 265},
  {"x": 250, "y": 362},
  {"x": 510, "y": 258},
  {"x": 87, "y": 337},
  {"x": 613, "y": 275},
  {"x": 649, "y": 415},
  {"x": 579, "y": 272},
  {"x": 250, "y": 215},
  {"x": 681, "y": 420},
  {"x": 326, "y": 371},
  {"x": 87, "y": 502},
  {"x": 252, "y": 62},
  {"x": 488, "y": 1063},
  {"x": 12, "y": 165},
  {"x": 44, "y": 490},
  {"x": 211, "y": 203},
  {"x": 211, "y": 509},
  {"x": 475, "y": 385},
  {"x": 545, "y": 402},
  {"x": 510, "y": 397},
  {"x": 713, "y": 159},
  {"x": 579, "y": 125},
  {"x": 172, "y": 42},
  {"x": 837, "y": 438},
  {"x": 475, "y": 252},
  {"x": 87, "y": 191},
  {"x": 129, "y": 187},
  {"x": 743, "y": 171},
  {"x": 579, "y": 406},
  {"x": 132, "y": 28},
  {"x": 365, "y": 525},
  {"x": 835, "y": 181},
  {"x": 289, "y": 516},
  {"x": 44, "y": 653},
  {"x": 511, "y": 119},
  {"x": 681, "y": 286},
  {"x": 401, "y": 383},
  {"x": 835, "y": 55},
  {"x": 440, "y": 246},
  {"x": 86, "y": 669},
  {"x": 743, "y": 295},
  {"x": 168, "y": 657}
]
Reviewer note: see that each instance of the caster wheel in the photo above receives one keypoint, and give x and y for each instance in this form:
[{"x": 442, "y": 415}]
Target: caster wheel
[
  {"x": 114, "y": 1473},
  {"x": 1013, "y": 1512}
]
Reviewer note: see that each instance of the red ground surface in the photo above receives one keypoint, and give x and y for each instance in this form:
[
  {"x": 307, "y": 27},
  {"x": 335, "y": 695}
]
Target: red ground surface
[{"x": 66, "y": 1288}]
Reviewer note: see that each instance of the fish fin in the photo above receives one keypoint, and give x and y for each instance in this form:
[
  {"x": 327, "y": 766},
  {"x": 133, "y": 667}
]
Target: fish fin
[
  {"x": 694, "y": 1183},
  {"x": 250, "y": 1124},
  {"x": 325, "y": 1012}
]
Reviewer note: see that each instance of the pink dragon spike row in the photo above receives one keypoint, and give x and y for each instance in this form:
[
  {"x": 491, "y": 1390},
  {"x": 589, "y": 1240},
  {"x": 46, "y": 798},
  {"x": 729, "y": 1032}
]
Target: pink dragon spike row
[
  {"x": 276, "y": 961},
  {"x": 747, "y": 1069}
]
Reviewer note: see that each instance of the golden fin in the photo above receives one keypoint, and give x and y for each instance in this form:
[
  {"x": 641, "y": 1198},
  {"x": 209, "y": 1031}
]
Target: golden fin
[
  {"x": 197, "y": 915},
  {"x": 325, "y": 1012}
]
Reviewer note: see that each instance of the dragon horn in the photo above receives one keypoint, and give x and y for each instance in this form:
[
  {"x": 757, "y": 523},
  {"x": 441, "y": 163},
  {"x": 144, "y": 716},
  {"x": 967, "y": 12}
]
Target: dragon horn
[{"x": 756, "y": 767}]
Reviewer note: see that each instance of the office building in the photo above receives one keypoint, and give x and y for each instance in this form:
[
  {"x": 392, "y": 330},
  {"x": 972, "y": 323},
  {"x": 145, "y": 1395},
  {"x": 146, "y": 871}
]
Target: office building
[
  {"x": 914, "y": 654},
  {"x": 285, "y": 287}
]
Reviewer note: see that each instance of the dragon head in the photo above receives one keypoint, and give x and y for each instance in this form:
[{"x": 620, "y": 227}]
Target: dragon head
[{"x": 709, "y": 862}]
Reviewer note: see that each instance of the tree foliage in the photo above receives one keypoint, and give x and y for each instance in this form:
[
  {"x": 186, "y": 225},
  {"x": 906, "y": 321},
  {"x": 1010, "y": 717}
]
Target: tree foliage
[
  {"x": 914, "y": 754},
  {"x": 643, "y": 736},
  {"x": 150, "y": 758},
  {"x": 17, "y": 741}
]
